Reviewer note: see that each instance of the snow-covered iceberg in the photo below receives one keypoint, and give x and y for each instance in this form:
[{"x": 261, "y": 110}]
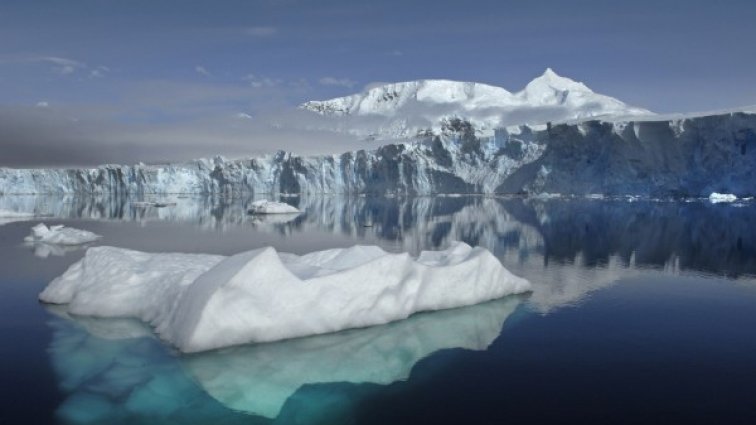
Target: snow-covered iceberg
[
  {"x": 203, "y": 302},
  {"x": 271, "y": 207},
  {"x": 60, "y": 235}
]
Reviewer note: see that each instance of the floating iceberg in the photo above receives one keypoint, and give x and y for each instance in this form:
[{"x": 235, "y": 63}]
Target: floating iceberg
[
  {"x": 60, "y": 235},
  {"x": 716, "y": 198},
  {"x": 271, "y": 207},
  {"x": 203, "y": 302}
]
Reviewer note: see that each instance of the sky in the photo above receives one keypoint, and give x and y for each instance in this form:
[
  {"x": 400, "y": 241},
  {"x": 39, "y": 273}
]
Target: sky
[{"x": 84, "y": 82}]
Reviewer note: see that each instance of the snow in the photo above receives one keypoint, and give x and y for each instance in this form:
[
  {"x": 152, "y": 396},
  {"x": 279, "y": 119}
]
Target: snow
[
  {"x": 406, "y": 108},
  {"x": 716, "y": 198},
  {"x": 203, "y": 302},
  {"x": 60, "y": 235},
  {"x": 271, "y": 207}
]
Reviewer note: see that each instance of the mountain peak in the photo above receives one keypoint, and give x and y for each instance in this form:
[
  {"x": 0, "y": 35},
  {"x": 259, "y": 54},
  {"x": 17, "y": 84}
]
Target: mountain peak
[
  {"x": 549, "y": 73},
  {"x": 406, "y": 108},
  {"x": 550, "y": 81}
]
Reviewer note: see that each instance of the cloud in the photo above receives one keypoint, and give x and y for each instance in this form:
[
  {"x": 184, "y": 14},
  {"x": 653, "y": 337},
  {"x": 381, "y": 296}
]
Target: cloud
[
  {"x": 62, "y": 66},
  {"x": 257, "y": 81},
  {"x": 42, "y": 104},
  {"x": 199, "y": 69},
  {"x": 260, "y": 31},
  {"x": 168, "y": 121},
  {"x": 99, "y": 72},
  {"x": 59, "y": 65},
  {"x": 339, "y": 82}
]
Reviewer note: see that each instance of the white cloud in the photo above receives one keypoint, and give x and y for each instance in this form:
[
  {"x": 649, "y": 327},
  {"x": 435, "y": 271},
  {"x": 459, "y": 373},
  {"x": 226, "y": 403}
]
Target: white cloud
[
  {"x": 260, "y": 31},
  {"x": 60, "y": 65},
  {"x": 199, "y": 69},
  {"x": 42, "y": 104},
  {"x": 257, "y": 81},
  {"x": 99, "y": 72},
  {"x": 63, "y": 66},
  {"x": 396, "y": 53},
  {"x": 340, "y": 82}
]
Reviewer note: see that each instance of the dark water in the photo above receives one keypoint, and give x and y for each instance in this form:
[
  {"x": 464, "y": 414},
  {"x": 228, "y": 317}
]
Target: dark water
[{"x": 642, "y": 312}]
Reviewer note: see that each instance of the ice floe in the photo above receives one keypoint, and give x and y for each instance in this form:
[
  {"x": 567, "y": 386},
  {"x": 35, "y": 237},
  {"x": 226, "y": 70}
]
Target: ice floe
[
  {"x": 60, "y": 235},
  {"x": 272, "y": 207},
  {"x": 716, "y": 198}
]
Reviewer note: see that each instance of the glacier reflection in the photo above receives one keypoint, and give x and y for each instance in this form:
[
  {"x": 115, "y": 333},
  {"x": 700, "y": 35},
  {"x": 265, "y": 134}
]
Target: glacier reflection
[
  {"x": 566, "y": 247},
  {"x": 115, "y": 371}
]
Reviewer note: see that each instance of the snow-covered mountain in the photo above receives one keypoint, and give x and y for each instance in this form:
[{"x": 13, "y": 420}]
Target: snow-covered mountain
[{"x": 406, "y": 109}]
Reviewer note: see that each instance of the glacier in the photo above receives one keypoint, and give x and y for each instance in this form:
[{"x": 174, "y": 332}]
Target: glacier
[
  {"x": 663, "y": 157},
  {"x": 204, "y": 302}
]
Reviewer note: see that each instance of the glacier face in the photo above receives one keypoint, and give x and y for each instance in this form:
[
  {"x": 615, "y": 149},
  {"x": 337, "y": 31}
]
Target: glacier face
[
  {"x": 405, "y": 109},
  {"x": 453, "y": 163},
  {"x": 688, "y": 157},
  {"x": 672, "y": 158}
]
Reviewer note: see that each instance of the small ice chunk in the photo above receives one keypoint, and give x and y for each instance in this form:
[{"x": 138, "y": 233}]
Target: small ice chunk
[
  {"x": 716, "y": 198},
  {"x": 201, "y": 303},
  {"x": 594, "y": 196},
  {"x": 271, "y": 207},
  {"x": 60, "y": 235},
  {"x": 8, "y": 216}
]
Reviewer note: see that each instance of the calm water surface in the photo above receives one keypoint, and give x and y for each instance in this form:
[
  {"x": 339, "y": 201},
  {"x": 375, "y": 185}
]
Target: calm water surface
[{"x": 642, "y": 312}]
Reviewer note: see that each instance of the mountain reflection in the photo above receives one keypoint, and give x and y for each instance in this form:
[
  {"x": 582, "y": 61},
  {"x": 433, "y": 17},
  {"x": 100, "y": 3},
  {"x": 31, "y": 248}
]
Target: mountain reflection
[{"x": 115, "y": 371}]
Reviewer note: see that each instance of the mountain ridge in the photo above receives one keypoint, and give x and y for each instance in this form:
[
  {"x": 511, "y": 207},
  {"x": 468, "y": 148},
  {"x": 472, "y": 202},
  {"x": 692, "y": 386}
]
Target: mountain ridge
[{"x": 404, "y": 109}]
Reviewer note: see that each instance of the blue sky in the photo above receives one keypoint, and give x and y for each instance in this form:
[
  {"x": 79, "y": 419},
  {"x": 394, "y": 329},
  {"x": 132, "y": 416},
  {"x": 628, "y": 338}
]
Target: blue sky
[{"x": 151, "y": 61}]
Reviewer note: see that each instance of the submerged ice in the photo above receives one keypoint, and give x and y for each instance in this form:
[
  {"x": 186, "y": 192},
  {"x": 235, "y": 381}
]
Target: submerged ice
[
  {"x": 203, "y": 302},
  {"x": 117, "y": 364}
]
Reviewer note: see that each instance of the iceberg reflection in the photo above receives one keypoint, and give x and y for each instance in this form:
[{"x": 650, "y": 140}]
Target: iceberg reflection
[{"x": 115, "y": 371}]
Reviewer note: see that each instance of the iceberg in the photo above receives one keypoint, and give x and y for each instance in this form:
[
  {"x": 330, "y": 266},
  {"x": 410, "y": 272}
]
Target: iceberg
[
  {"x": 716, "y": 198},
  {"x": 205, "y": 302},
  {"x": 271, "y": 207},
  {"x": 60, "y": 235}
]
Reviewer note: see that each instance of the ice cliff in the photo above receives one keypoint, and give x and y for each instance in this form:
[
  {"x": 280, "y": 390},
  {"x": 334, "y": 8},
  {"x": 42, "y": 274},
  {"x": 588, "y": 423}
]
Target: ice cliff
[{"x": 657, "y": 157}]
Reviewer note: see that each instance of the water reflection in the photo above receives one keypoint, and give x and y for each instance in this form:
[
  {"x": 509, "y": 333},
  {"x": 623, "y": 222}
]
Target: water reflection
[
  {"x": 561, "y": 230},
  {"x": 700, "y": 236},
  {"x": 115, "y": 371}
]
